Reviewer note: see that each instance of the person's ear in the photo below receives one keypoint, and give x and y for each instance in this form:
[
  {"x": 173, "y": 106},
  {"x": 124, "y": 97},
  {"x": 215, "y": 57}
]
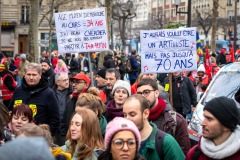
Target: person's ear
[{"x": 146, "y": 113}]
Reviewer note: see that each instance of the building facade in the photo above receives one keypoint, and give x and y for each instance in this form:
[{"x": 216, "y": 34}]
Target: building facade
[{"x": 15, "y": 16}]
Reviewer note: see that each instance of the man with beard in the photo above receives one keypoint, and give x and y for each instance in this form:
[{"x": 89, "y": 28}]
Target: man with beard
[
  {"x": 162, "y": 115},
  {"x": 220, "y": 131},
  {"x": 48, "y": 72},
  {"x": 100, "y": 78},
  {"x": 80, "y": 84},
  {"x": 112, "y": 75},
  {"x": 137, "y": 109}
]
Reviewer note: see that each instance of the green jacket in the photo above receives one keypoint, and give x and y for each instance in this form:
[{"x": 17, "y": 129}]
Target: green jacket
[
  {"x": 103, "y": 124},
  {"x": 66, "y": 148},
  {"x": 171, "y": 148}
]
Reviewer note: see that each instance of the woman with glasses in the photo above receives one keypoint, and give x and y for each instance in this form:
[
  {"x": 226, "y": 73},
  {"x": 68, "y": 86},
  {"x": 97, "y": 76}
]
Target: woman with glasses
[
  {"x": 122, "y": 140},
  {"x": 84, "y": 139}
]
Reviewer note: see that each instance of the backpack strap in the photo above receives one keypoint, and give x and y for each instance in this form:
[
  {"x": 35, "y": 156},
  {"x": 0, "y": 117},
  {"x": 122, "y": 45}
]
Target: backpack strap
[
  {"x": 174, "y": 116},
  {"x": 159, "y": 143},
  {"x": 196, "y": 154}
]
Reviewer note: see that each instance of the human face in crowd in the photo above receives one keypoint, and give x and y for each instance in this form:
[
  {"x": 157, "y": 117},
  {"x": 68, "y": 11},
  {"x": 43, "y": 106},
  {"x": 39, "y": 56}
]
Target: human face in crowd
[
  {"x": 32, "y": 77},
  {"x": 120, "y": 96},
  {"x": 18, "y": 120},
  {"x": 101, "y": 82},
  {"x": 176, "y": 74},
  {"x": 123, "y": 145},
  {"x": 149, "y": 93},
  {"x": 75, "y": 128},
  {"x": 63, "y": 82},
  {"x": 45, "y": 67},
  {"x": 111, "y": 79},
  {"x": 78, "y": 86},
  {"x": 151, "y": 76},
  {"x": 211, "y": 128},
  {"x": 200, "y": 74},
  {"x": 132, "y": 111}
]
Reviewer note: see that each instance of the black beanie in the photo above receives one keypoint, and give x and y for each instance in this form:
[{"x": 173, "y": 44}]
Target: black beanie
[
  {"x": 102, "y": 72},
  {"x": 225, "y": 110},
  {"x": 47, "y": 61}
]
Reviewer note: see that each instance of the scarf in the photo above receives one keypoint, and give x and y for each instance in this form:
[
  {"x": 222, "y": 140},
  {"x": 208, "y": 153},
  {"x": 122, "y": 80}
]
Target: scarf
[
  {"x": 74, "y": 95},
  {"x": 224, "y": 150},
  {"x": 157, "y": 111},
  {"x": 112, "y": 111}
]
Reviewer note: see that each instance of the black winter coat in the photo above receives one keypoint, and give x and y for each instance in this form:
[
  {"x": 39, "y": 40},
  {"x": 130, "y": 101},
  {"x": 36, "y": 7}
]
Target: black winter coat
[
  {"x": 50, "y": 75},
  {"x": 188, "y": 94},
  {"x": 42, "y": 100},
  {"x": 108, "y": 62}
]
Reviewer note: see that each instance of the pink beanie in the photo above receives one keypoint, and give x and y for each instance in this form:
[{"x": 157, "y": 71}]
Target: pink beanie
[{"x": 120, "y": 124}]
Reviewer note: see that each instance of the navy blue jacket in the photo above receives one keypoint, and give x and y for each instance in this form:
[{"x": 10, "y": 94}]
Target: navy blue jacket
[
  {"x": 135, "y": 71},
  {"x": 42, "y": 100}
]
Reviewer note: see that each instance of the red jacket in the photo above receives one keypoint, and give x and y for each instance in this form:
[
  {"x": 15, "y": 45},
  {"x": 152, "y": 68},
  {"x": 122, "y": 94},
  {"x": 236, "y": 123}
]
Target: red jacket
[
  {"x": 202, "y": 156},
  {"x": 134, "y": 88},
  {"x": 6, "y": 93}
]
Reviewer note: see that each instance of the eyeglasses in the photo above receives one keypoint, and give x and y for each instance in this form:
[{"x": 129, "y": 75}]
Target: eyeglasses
[
  {"x": 78, "y": 82},
  {"x": 145, "y": 92},
  {"x": 119, "y": 143},
  {"x": 64, "y": 80}
]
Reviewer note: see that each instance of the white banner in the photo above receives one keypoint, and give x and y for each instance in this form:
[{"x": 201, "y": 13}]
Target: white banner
[
  {"x": 168, "y": 50},
  {"x": 82, "y": 31}
]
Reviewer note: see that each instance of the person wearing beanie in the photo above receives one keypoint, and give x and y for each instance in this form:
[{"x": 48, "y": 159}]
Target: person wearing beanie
[
  {"x": 120, "y": 92},
  {"x": 48, "y": 72},
  {"x": 155, "y": 144},
  {"x": 122, "y": 140},
  {"x": 220, "y": 131},
  {"x": 100, "y": 78},
  {"x": 200, "y": 80}
]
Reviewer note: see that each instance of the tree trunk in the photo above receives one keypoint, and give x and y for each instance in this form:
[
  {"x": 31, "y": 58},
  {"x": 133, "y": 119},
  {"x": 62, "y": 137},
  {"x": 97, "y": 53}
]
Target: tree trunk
[
  {"x": 50, "y": 28},
  {"x": 214, "y": 24},
  {"x": 33, "y": 31}
]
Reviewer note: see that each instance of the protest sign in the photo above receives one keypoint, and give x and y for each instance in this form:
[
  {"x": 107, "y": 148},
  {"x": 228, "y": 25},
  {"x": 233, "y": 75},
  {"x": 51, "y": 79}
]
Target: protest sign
[
  {"x": 168, "y": 50},
  {"x": 82, "y": 31}
]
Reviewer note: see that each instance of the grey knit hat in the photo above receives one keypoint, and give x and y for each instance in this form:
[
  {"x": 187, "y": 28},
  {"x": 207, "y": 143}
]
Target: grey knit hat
[
  {"x": 225, "y": 110},
  {"x": 122, "y": 84}
]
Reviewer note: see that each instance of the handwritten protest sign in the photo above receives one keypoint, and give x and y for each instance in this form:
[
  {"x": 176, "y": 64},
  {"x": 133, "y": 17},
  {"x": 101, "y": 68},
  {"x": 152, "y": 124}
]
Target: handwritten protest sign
[
  {"x": 82, "y": 31},
  {"x": 169, "y": 50}
]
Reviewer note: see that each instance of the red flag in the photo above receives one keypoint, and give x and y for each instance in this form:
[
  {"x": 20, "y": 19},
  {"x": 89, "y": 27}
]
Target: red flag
[
  {"x": 207, "y": 64},
  {"x": 232, "y": 54}
]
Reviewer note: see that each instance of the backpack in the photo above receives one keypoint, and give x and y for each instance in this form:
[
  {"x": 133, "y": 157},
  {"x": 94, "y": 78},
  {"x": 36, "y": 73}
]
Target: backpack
[
  {"x": 128, "y": 65},
  {"x": 159, "y": 143}
]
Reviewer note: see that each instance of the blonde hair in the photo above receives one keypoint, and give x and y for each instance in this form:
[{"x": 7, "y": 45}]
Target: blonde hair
[
  {"x": 32, "y": 130},
  {"x": 91, "y": 101}
]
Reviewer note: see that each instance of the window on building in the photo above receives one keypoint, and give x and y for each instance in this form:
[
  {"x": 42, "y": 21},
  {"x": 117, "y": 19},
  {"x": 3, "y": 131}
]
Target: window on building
[
  {"x": 25, "y": 14},
  {"x": 229, "y": 2},
  {"x": 174, "y": 13}
]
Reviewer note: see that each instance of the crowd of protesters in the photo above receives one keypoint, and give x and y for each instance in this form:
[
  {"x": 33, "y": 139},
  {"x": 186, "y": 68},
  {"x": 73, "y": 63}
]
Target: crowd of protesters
[{"x": 120, "y": 114}]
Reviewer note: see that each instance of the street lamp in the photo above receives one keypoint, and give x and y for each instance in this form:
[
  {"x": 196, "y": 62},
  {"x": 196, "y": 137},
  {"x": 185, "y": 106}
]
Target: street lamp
[{"x": 176, "y": 2}]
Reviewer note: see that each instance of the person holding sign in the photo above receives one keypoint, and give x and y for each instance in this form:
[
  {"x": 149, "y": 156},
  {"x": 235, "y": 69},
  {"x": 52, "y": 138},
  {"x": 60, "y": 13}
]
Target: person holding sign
[{"x": 184, "y": 94}]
